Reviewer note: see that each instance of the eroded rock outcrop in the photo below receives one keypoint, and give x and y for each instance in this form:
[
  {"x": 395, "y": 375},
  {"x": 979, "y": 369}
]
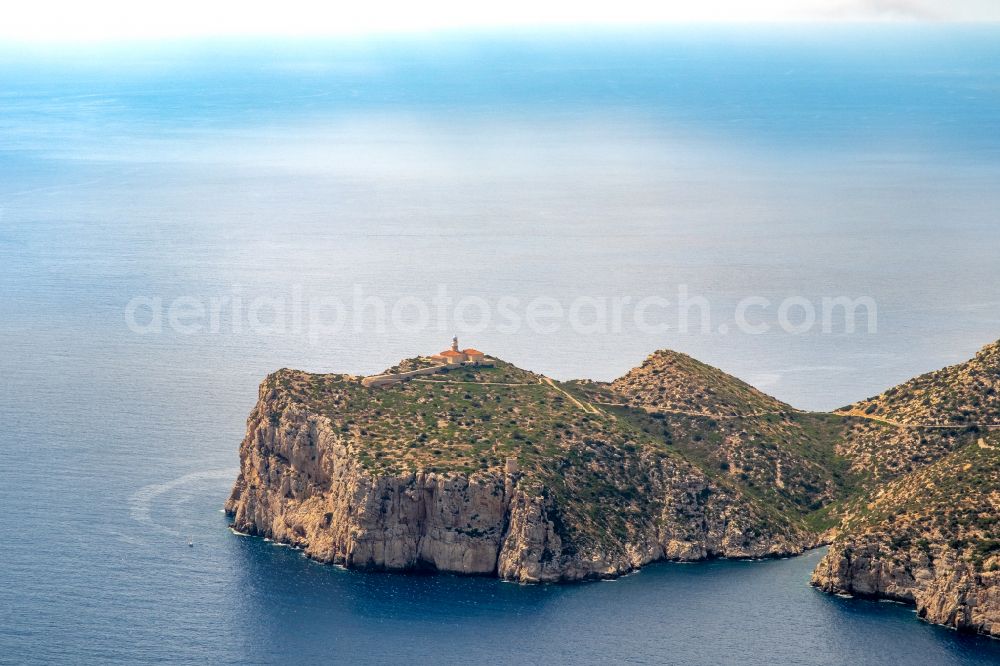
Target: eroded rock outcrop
[
  {"x": 930, "y": 538},
  {"x": 301, "y": 484},
  {"x": 945, "y": 589}
]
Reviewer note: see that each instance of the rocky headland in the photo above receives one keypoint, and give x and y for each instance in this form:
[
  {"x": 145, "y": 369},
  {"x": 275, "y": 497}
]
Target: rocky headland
[{"x": 495, "y": 470}]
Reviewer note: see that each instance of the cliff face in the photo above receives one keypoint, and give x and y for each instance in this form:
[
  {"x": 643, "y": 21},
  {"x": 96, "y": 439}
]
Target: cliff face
[
  {"x": 302, "y": 482},
  {"x": 945, "y": 590},
  {"x": 930, "y": 538}
]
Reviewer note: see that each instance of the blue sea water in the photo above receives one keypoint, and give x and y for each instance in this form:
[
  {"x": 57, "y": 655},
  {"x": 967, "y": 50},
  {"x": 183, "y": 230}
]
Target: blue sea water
[{"x": 770, "y": 162}]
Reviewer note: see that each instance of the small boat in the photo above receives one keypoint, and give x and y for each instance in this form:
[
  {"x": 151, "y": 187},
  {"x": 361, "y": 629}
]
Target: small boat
[{"x": 190, "y": 542}]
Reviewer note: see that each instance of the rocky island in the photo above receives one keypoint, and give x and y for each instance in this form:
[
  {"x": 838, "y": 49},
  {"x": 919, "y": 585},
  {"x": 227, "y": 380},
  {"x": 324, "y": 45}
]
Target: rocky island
[{"x": 465, "y": 463}]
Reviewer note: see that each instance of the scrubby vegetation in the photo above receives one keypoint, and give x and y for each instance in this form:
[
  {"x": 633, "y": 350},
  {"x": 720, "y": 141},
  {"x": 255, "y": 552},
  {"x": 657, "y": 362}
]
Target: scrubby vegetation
[
  {"x": 463, "y": 420},
  {"x": 671, "y": 381},
  {"x": 950, "y": 508}
]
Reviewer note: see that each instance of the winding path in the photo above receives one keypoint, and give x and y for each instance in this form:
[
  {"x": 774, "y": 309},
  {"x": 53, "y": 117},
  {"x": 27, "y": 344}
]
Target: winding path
[
  {"x": 589, "y": 408},
  {"x": 901, "y": 424},
  {"x": 585, "y": 406},
  {"x": 707, "y": 415},
  {"x": 460, "y": 381}
]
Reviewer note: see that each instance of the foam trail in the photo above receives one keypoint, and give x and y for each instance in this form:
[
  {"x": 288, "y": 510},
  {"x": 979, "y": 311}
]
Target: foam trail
[{"x": 141, "y": 502}]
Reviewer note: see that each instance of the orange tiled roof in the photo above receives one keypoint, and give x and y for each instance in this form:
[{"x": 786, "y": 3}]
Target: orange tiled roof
[
  {"x": 450, "y": 352},
  {"x": 472, "y": 351}
]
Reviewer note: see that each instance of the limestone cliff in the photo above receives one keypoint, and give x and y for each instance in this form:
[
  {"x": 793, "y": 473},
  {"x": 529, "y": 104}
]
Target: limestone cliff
[{"x": 931, "y": 538}]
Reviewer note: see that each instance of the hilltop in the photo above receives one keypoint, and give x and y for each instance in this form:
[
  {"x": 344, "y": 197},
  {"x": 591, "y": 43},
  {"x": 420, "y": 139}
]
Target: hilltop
[
  {"x": 671, "y": 381},
  {"x": 966, "y": 393},
  {"x": 482, "y": 467}
]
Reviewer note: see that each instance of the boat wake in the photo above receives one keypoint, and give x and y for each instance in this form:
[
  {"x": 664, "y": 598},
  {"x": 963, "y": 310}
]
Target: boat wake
[{"x": 142, "y": 502}]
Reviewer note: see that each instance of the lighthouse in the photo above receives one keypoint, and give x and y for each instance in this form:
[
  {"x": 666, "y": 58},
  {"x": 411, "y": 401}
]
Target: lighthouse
[{"x": 456, "y": 356}]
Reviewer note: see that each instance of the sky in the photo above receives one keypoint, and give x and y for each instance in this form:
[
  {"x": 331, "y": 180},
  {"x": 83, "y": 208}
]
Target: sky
[{"x": 111, "y": 20}]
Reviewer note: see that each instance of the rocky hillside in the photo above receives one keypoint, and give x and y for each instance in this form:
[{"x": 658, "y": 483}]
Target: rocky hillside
[
  {"x": 769, "y": 450},
  {"x": 880, "y": 451},
  {"x": 931, "y": 538},
  {"x": 960, "y": 394},
  {"x": 483, "y": 470},
  {"x": 924, "y": 527}
]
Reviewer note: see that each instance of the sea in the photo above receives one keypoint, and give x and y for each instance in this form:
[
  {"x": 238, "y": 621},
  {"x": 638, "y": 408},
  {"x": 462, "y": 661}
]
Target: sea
[{"x": 179, "y": 219}]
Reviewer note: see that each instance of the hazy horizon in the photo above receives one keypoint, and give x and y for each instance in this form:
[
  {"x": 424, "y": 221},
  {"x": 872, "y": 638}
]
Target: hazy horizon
[{"x": 102, "y": 20}]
